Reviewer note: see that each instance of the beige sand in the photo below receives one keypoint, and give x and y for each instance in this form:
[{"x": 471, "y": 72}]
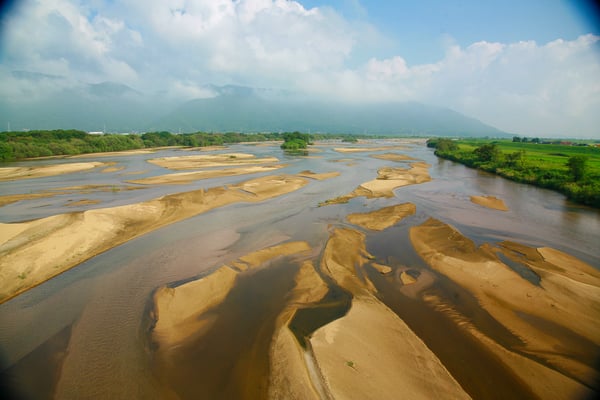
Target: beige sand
[
  {"x": 490, "y": 202},
  {"x": 382, "y": 269},
  {"x": 393, "y": 157},
  {"x": 290, "y": 376},
  {"x": 178, "y": 311},
  {"x": 260, "y": 257},
  {"x": 388, "y": 179},
  {"x": 112, "y": 169},
  {"x": 187, "y": 177},
  {"x": 84, "y": 189},
  {"x": 568, "y": 295},
  {"x": 120, "y": 153},
  {"x": 83, "y": 202},
  {"x": 383, "y": 218},
  {"x": 14, "y": 173},
  {"x": 550, "y": 383},
  {"x": 366, "y": 149},
  {"x": 406, "y": 278},
  {"x": 210, "y": 160},
  {"x": 32, "y": 252},
  {"x": 320, "y": 177},
  {"x": 371, "y": 353},
  {"x": 205, "y": 148}
]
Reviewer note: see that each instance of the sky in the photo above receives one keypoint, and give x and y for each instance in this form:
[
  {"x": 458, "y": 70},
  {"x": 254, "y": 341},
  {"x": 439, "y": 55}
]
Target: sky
[{"x": 527, "y": 67}]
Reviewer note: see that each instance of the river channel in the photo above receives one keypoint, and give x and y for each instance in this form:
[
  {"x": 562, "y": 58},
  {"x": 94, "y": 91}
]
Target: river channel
[{"x": 84, "y": 333}]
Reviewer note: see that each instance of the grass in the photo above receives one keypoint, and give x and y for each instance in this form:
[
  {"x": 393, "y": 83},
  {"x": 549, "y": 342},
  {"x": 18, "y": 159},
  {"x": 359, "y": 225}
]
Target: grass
[{"x": 544, "y": 165}]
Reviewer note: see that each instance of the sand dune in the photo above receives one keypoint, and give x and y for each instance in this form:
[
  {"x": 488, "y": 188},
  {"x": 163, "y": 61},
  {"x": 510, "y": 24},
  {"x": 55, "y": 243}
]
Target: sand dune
[
  {"x": 14, "y": 173},
  {"x": 187, "y": 177},
  {"x": 388, "y": 179},
  {"x": 543, "y": 314},
  {"x": 32, "y": 252},
  {"x": 383, "y": 218},
  {"x": 357, "y": 358}
]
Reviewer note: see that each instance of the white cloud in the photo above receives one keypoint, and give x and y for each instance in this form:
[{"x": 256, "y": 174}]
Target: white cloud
[{"x": 179, "y": 46}]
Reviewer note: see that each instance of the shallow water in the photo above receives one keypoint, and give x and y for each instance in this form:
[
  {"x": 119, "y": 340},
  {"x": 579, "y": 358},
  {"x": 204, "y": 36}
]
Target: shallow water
[{"x": 88, "y": 327}]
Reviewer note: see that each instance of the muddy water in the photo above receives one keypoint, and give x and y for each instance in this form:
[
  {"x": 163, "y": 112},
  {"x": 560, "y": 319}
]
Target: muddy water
[{"x": 87, "y": 327}]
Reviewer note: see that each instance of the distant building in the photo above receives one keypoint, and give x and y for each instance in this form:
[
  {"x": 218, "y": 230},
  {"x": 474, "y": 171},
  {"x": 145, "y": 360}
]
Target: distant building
[{"x": 96, "y": 133}]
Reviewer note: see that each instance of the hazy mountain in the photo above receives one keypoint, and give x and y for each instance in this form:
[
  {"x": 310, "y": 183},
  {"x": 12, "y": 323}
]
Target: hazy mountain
[
  {"x": 120, "y": 108},
  {"x": 240, "y": 109}
]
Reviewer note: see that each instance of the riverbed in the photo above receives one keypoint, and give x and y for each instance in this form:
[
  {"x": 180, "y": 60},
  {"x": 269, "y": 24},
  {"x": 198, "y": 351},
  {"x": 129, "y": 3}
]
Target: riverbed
[{"x": 87, "y": 332}]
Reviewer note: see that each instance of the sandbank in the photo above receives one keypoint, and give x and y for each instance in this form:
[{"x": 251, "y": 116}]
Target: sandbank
[
  {"x": 382, "y": 269},
  {"x": 120, "y": 153},
  {"x": 320, "y": 177},
  {"x": 181, "y": 178},
  {"x": 291, "y": 376},
  {"x": 356, "y": 357},
  {"x": 406, "y": 278},
  {"x": 366, "y": 149},
  {"x": 567, "y": 296},
  {"x": 35, "y": 251},
  {"x": 388, "y": 179},
  {"x": 14, "y": 173},
  {"x": 383, "y": 218},
  {"x": 112, "y": 169},
  {"x": 393, "y": 157},
  {"x": 490, "y": 202},
  {"x": 83, "y": 202},
  {"x": 210, "y": 160}
]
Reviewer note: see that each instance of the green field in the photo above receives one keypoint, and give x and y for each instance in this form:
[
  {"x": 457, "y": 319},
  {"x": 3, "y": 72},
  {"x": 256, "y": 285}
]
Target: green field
[{"x": 545, "y": 165}]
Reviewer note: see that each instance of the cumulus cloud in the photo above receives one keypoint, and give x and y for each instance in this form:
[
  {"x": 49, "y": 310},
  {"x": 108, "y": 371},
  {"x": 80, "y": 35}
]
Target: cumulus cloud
[{"x": 179, "y": 47}]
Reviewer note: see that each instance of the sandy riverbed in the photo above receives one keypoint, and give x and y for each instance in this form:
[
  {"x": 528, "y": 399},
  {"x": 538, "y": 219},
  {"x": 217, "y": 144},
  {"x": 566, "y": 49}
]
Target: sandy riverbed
[
  {"x": 393, "y": 157},
  {"x": 14, "y": 173},
  {"x": 33, "y": 252},
  {"x": 367, "y": 149},
  {"x": 182, "y": 178},
  {"x": 490, "y": 202},
  {"x": 388, "y": 179},
  {"x": 383, "y": 218},
  {"x": 568, "y": 290},
  {"x": 210, "y": 160}
]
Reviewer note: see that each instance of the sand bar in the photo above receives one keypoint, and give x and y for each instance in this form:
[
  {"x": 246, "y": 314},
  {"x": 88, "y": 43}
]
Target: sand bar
[
  {"x": 567, "y": 296},
  {"x": 383, "y": 218},
  {"x": 32, "y": 252},
  {"x": 15, "y": 173},
  {"x": 490, "y": 202},
  {"x": 210, "y": 160},
  {"x": 182, "y": 178},
  {"x": 366, "y": 149},
  {"x": 121, "y": 153},
  {"x": 357, "y": 358},
  {"x": 393, "y": 157},
  {"x": 320, "y": 177},
  {"x": 388, "y": 179}
]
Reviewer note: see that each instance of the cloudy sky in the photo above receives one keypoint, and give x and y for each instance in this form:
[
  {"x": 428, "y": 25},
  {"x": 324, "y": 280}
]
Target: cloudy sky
[{"x": 527, "y": 67}]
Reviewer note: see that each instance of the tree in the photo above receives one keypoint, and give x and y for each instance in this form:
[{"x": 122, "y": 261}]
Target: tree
[
  {"x": 446, "y": 145},
  {"x": 577, "y": 166},
  {"x": 516, "y": 139},
  {"x": 487, "y": 152}
]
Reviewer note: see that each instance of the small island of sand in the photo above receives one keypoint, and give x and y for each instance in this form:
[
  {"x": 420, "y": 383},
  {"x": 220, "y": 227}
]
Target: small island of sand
[
  {"x": 489, "y": 202},
  {"x": 14, "y": 173},
  {"x": 383, "y": 218},
  {"x": 210, "y": 160}
]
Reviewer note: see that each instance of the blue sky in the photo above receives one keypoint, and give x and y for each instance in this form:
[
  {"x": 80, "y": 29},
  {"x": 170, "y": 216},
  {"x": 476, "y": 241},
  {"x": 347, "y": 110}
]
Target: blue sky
[{"x": 527, "y": 67}]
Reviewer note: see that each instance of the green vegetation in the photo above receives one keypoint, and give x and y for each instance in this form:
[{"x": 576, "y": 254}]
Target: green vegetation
[
  {"x": 20, "y": 145},
  {"x": 295, "y": 141},
  {"x": 573, "y": 170}
]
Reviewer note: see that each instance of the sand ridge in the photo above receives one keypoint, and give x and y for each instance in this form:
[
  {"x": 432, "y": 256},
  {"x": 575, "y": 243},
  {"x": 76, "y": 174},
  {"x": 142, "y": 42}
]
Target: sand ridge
[
  {"x": 15, "y": 173},
  {"x": 383, "y": 218},
  {"x": 187, "y": 177},
  {"x": 32, "y": 252},
  {"x": 490, "y": 202},
  {"x": 210, "y": 160},
  {"x": 567, "y": 292}
]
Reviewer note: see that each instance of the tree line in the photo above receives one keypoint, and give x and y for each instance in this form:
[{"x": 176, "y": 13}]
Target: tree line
[{"x": 567, "y": 171}]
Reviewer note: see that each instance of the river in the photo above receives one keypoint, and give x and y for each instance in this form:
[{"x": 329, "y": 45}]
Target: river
[{"x": 84, "y": 333}]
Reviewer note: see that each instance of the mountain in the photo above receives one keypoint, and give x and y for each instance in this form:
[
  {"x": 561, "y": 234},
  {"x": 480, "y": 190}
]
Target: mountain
[
  {"x": 242, "y": 110},
  {"x": 56, "y": 103}
]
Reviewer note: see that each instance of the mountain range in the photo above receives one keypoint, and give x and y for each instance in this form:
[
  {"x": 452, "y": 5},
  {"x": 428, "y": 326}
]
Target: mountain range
[{"x": 115, "y": 107}]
